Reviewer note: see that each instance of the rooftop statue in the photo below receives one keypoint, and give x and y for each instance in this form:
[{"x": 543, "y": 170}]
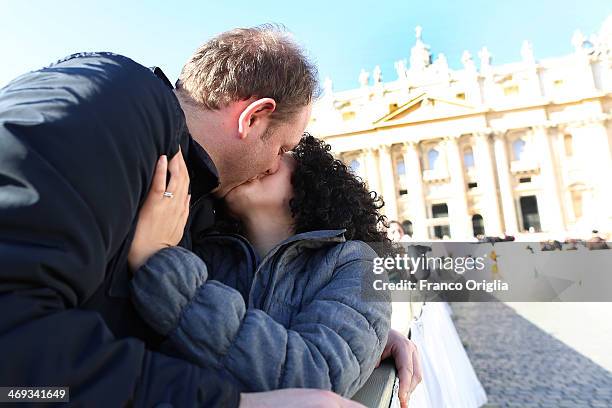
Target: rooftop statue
[
  {"x": 364, "y": 78},
  {"x": 467, "y": 61},
  {"x": 527, "y": 53},
  {"x": 420, "y": 57},
  {"x": 441, "y": 64},
  {"x": 485, "y": 59},
  {"x": 400, "y": 68},
  {"x": 377, "y": 75}
]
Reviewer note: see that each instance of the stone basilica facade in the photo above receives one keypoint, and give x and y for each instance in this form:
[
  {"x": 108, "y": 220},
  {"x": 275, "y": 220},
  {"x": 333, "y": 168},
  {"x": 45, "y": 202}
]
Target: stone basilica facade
[{"x": 523, "y": 149}]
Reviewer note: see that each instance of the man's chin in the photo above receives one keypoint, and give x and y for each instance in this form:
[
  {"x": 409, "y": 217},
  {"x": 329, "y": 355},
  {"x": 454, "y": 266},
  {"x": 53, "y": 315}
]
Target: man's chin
[{"x": 235, "y": 189}]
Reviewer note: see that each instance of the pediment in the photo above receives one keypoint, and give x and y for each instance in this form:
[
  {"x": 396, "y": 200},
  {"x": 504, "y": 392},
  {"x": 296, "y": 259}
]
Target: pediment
[{"x": 426, "y": 106}]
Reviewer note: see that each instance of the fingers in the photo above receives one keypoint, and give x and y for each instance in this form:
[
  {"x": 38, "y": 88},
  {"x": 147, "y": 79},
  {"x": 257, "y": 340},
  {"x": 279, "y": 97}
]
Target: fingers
[
  {"x": 412, "y": 374},
  {"x": 158, "y": 185},
  {"x": 405, "y": 368},
  {"x": 409, "y": 370},
  {"x": 404, "y": 385},
  {"x": 179, "y": 177},
  {"x": 386, "y": 353}
]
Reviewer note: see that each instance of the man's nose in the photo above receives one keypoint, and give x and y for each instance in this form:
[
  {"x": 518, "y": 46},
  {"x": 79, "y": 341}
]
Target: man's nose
[{"x": 274, "y": 167}]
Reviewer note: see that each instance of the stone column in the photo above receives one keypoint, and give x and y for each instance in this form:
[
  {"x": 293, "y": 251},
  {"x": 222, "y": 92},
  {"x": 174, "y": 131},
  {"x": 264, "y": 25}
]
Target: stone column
[
  {"x": 602, "y": 175},
  {"x": 460, "y": 223},
  {"x": 505, "y": 184},
  {"x": 486, "y": 183},
  {"x": 596, "y": 154},
  {"x": 416, "y": 200},
  {"x": 371, "y": 170},
  {"x": 387, "y": 178},
  {"x": 549, "y": 203},
  {"x": 584, "y": 72}
]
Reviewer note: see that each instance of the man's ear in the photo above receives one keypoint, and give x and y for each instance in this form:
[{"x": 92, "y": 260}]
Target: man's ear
[{"x": 256, "y": 114}]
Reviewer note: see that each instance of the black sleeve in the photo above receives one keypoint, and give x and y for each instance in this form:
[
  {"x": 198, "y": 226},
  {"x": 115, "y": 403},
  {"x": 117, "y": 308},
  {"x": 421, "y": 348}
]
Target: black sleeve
[{"x": 78, "y": 143}]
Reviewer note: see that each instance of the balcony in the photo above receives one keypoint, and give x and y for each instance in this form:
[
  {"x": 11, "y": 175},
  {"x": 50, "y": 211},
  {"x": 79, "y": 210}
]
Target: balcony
[
  {"x": 435, "y": 175},
  {"x": 471, "y": 173},
  {"x": 524, "y": 166}
]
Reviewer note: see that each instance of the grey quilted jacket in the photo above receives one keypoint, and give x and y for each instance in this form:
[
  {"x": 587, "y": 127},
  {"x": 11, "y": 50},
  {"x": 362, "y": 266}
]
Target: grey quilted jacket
[{"x": 297, "y": 318}]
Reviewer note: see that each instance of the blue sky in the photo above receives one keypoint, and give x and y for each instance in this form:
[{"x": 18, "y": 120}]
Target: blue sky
[{"x": 341, "y": 36}]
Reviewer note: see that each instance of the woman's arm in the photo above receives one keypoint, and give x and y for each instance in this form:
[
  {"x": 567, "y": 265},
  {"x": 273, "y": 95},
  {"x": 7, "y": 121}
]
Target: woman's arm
[{"x": 333, "y": 343}]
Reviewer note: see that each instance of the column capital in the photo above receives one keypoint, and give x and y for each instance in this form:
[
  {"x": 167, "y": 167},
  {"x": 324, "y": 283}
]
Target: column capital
[
  {"x": 385, "y": 147},
  {"x": 482, "y": 135},
  {"x": 354, "y": 152},
  {"x": 540, "y": 127},
  {"x": 452, "y": 139},
  {"x": 412, "y": 144},
  {"x": 499, "y": 134}
]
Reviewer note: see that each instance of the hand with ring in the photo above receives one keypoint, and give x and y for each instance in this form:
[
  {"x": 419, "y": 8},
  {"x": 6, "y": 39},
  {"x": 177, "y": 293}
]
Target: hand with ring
[
  {"x": 162, "y": 218},
  {"x": 407, "y": 362}
]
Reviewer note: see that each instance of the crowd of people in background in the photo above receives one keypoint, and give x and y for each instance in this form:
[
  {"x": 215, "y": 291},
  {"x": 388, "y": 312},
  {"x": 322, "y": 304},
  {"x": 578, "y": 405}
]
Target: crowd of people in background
[{"x": 396, "y": 232}]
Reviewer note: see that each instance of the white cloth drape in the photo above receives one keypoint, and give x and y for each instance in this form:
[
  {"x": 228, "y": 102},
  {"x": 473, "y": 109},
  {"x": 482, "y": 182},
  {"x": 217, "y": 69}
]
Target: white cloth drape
[{"x": 449, "y": 380}]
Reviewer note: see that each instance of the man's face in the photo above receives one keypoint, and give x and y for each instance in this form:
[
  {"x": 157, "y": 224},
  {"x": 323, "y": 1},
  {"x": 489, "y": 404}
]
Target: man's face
[{"x": 261, "y": 155}]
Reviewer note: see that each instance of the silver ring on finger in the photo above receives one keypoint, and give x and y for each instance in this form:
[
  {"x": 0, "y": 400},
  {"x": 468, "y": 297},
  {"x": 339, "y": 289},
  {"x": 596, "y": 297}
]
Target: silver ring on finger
[{"x": 168, "y": 194}]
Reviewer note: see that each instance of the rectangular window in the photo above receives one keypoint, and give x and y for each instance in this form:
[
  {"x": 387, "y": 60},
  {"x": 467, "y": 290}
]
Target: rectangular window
[
  {"x": 525, "y": 180},
  {"x": 348, "y": 115},
  {"x": 472, "y": 185},
  {"x": 511, "y": 90},
  {"x": 439, "y": 210},
  {"x": 440, "y": 231},
  {"x": 568, "y": 142}
]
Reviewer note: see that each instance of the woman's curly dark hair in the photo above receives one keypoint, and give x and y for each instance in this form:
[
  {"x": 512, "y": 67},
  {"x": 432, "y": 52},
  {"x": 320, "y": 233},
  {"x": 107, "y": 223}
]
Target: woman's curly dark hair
[{"x": 327, "y": 195}]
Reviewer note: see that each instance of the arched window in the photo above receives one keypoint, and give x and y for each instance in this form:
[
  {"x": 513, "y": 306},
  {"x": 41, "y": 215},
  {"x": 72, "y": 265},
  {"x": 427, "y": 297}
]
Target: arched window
[
  {"x": 400, "y": 167},
  {"x": 577, "y": 203},
  {"x": 577, "y": 195},
  {"x": 518, "y": 148},
  {"x": 478, "y": 225},
  {"x": 468, "y": 157},
  {"x": 432, "y": 158},
  {"x": 355, "y": 167}
]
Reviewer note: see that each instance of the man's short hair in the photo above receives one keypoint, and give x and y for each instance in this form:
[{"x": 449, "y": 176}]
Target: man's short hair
[{"x": 261, "y": 62}]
